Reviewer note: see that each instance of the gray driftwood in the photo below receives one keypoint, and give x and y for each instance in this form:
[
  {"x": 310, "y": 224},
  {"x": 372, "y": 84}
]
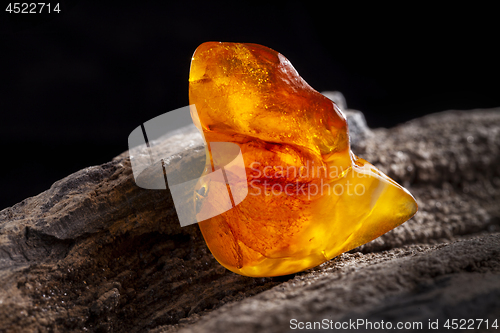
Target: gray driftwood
[{"x": 96, "y": 253}]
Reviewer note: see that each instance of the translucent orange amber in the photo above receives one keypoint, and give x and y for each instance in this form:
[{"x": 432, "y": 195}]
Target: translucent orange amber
[{"x": 309, "y": 197}]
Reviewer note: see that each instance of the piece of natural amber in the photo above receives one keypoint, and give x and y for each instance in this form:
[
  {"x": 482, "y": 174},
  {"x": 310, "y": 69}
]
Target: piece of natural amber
[{"x": 310, "y": 198}]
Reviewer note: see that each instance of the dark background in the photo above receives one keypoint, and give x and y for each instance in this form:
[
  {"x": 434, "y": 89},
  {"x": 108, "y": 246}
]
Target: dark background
[{"x": 73, "y": 85}]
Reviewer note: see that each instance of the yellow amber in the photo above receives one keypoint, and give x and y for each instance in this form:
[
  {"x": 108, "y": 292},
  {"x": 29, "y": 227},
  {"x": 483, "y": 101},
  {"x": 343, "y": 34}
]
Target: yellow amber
[{"x": 309, "y": 197}]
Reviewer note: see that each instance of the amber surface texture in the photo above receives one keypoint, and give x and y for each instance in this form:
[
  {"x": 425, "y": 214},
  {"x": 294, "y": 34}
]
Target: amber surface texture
[{"x": 309, "y": 197}]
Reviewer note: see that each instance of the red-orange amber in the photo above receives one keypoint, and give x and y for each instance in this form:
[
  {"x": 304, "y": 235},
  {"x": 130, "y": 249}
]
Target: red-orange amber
[{"x": 309, "y": 197}]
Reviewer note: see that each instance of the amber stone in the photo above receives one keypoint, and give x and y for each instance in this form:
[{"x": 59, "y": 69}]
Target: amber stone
[{"x": 309, "y": 197}]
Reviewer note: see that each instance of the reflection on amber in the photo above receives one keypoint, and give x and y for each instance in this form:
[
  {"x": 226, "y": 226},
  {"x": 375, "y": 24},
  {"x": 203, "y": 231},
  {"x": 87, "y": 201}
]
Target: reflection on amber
[{"x": 309, "y": 198}]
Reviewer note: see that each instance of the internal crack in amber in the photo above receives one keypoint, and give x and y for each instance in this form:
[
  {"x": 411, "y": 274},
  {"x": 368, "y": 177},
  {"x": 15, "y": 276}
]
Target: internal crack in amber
[{"x": 309, "y": 197}]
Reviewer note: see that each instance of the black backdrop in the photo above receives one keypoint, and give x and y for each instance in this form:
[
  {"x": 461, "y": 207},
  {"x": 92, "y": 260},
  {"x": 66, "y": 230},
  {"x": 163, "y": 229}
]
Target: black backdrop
[{"x": 75, "y": 84}]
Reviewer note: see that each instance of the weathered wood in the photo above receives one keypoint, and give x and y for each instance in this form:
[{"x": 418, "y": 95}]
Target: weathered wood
[{"x": 97, "y": 252}]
